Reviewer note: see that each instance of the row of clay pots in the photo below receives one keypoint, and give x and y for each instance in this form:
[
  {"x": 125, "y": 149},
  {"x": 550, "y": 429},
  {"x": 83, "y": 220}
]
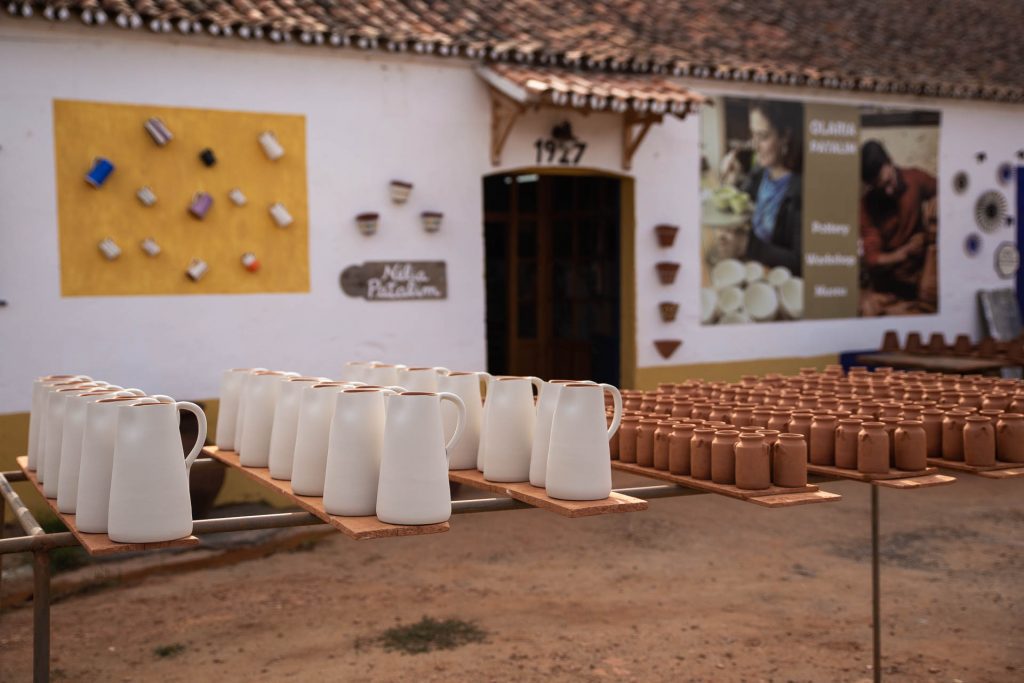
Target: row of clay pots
[
  {"x": 988, "y": 347},
  {"x": 749, "y": 458},
  {"x": 978, "y": 438}
]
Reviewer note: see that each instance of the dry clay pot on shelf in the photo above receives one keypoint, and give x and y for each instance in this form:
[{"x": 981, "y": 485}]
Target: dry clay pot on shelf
[{"x": 667, "y": 271}]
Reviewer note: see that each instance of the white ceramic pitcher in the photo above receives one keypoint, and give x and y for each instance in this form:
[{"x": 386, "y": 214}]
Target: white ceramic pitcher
[
  {"x": 35, "y": 418},
  {"x": 92, "y": 504},
  {"x": 420, "y": 379},
  {"x": 465, "y": 385},
  {"x": 359, "y": 371},
  {"x": 546, "y": 403},
  {"x": 231, "y": 384},
  {"x": 508, "y": 429},
  {"x": 382, "y": 374},
  {"x": 413, "y": 485},
  {"x": 55, "y": 409},
  {"x": 312, "y": 435},
  {"x": 354, "y": 452},
  {"x": 71, "y": 444},
  {"x": 579, "y": 460},
  {"x": 149, "y": 500},
  {"x": 44, "y": 431},
  {"x": 286, "y": 421},
  {"x": 260, "y": 396}
]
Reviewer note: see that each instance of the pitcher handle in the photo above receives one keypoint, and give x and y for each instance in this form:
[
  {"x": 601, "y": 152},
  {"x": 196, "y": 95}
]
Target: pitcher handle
[
  {"x": 459, "y": 427},
  {"x": 617, "y": 401},
  {"x": 201, "y": 439}
]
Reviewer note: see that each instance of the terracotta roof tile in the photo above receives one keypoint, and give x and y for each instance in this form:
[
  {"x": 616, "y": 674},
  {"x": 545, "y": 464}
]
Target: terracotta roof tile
[{"x": 952, "y": 48}]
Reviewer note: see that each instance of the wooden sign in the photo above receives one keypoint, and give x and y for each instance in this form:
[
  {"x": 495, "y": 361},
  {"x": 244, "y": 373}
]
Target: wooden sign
[{"x": 396, "y": 280}]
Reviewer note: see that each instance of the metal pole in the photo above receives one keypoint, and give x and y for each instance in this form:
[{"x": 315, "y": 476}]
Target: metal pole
[
  {"x": 876, "y": 609},
  {"x": 41, "y": 617},
  {"x": 3, "y": 514}
]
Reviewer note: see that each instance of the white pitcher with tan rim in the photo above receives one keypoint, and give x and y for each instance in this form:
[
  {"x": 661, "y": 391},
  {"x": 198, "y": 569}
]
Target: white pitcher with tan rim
[
  {"x": 312, "y": 435},
  {"x": 579, "y": 460},
  {"x": 413, "y": 485},
  {"x": 465, "y": 385},
  {"x": 382, "y": 374},
  {"x": 40, "y": 388},
  {"x": 507, "y": 437},
  {"x": 231, "y": 384},
  {"x": 259, "y": 399},
  {"x": 420, "y": 379},
  {"x": 149, "y": 499},
  {"x": 46, "y": 429},
  {"x": 56, "y": 406},
  {"x": 286, "y": 422},
  {"x": 354, "y": 452},
  {"x": 546, "y": 403}
]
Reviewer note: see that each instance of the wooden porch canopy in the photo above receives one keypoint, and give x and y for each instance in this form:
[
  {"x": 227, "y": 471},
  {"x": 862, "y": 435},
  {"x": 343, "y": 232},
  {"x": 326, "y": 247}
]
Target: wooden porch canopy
[{"x": 642, "y": 100}]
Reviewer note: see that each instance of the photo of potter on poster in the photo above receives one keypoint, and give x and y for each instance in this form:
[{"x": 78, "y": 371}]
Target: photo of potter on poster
[{"x": 814, "y": 211}]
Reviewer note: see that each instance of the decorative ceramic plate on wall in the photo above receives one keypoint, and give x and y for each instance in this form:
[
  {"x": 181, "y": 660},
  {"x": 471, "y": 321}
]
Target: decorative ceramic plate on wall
[
  {"x": 1007, "y": 259},
  {"x": 990, "y": 211},
  {"x": 960, "y": 182}
]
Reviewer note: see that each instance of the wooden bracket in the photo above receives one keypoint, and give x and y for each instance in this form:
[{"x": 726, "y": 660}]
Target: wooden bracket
[
  {"x": 634, "y": 129},
  {"x": 504, "y": 112}
]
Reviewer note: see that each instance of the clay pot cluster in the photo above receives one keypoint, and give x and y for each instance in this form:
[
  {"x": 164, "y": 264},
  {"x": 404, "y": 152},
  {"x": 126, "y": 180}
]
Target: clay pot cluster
[
  {"x": 937, "y": 345},
  {"x": 867, "y": 421}
]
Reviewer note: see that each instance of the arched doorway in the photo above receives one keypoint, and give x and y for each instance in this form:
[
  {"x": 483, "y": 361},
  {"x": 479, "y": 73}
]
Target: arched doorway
[{"x": 553, "y": 271}]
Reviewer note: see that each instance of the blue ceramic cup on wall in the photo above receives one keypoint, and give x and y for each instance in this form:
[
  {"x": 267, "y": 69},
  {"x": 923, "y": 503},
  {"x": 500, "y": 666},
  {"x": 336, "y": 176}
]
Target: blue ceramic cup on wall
[{"x": 100, "y": 171}]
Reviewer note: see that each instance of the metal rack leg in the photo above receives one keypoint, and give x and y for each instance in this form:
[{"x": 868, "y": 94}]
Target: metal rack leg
[
  {"x": 41, "y": 617},
  {"x": 876, "y": 609}
]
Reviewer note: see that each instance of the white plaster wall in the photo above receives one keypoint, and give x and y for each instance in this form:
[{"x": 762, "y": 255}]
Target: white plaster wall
[
  {"x": 367, "y": 122},
  {"x": 370, "y": 118}
]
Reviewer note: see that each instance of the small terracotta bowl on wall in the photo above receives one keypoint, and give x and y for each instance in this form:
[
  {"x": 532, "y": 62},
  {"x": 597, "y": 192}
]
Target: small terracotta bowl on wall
[
  {"x": 667, "y": 271},
  {"x": 666, "y": 234},
  {"x": 666, "y": 347},
  {"x": 668, "y": 310}
]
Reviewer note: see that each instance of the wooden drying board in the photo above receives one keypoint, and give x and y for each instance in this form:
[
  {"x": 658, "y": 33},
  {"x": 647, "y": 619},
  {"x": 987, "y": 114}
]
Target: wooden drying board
[
  {"x": 776, "y": 496},
  {"x": 536, "y": 496},
  {"x": 895, "y": 479},
  {"x": 98, "y": 544},
  {"x": 358, "y": 528},
  {"x": 1001, "y": 470}
]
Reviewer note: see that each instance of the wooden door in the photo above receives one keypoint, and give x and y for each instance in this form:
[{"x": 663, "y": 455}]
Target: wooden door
[{"x": 552, "y": 249}]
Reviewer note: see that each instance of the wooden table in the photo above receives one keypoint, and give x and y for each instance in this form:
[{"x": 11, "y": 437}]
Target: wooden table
[{"x": 947, "y": 364}]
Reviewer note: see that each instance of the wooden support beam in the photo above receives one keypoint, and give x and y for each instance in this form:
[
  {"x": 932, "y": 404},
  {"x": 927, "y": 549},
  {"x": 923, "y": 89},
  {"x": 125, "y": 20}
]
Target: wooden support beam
[
  {"x": 634, "y": 129},
  {"x": 504, "y": 113}
]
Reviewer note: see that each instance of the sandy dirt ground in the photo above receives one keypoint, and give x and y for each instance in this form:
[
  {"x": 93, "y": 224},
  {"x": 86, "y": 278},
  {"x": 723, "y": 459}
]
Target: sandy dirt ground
[{"x": 700, "y": 588}]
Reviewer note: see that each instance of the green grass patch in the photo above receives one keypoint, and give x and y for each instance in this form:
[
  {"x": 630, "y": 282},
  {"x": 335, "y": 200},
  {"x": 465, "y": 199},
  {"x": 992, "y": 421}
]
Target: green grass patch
[
  {"x": 166, "y": 651},
  {"x": 431, "y": 634},
  {"x": 63, "y": 559}
]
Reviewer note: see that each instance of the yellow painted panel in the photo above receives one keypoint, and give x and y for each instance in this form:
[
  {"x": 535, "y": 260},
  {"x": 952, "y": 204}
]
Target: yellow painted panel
[
  {"x": 86, "y": 215},
  {"x": 648, "y": 378}
]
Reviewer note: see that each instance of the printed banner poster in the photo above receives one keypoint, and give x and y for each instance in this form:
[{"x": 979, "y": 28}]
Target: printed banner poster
[{"x": 814, "y": 211}]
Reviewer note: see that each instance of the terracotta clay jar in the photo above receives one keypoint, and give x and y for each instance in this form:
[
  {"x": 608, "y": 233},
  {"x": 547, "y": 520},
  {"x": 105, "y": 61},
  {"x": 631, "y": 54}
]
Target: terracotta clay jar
[
  {"x": 667, "y": 271},
  {"x": 723, "y": 456},
  {"x": 742, "y": 416},
  {"x": 702, "y": 410},
  {"x": 779, "y": 420},
  {"x": 721, "y": 412},
  {"x": 931, "y": 419},
  {"x": 890, "y": 429},
  {"x": 822, "y": 443},
  {"x": 645, "y": 442},
  {"x": 845, "y": 452},
  {"x": 682, "y": 408},
  {"x": 912, "y": 412},
  {"x": 700, "y": 452},
  {"x": 869, "y": 410},
  {"x": 953, "y": 424},
  {"x": 613, "y": 442},
  {"x": 911, "y": 446},
  {"x": 661, "y": 444},
  {"x": 1010, "y": 437},
  {"x": 789, "y": 461},
  {"x": 800, "y": 423},
  {"x": 759, "y": 416},
  {"x": 962, "y": 345},
  {"x": 970, "y": 398},
  {"x": 979, "y": 441},
  {"x": 679, "y": 448},
  {"x": 753, "y": 464},
  {"x": 891, "y": 410},
  {"x": 996, "y": 400},
  {"x": 1017, "y": 404},
  {"x": 872, "y": 448},
  {"x": 628, "y": 438},
  {"x": 937, "y": 344},
  {"x": 890, "y": 341}
]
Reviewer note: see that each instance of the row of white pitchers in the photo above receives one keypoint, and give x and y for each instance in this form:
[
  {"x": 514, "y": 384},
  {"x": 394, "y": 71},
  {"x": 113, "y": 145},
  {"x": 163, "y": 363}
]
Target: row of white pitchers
[
  {"x": 309, "y": 430},
  {"x": 112, "y": 457}
]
